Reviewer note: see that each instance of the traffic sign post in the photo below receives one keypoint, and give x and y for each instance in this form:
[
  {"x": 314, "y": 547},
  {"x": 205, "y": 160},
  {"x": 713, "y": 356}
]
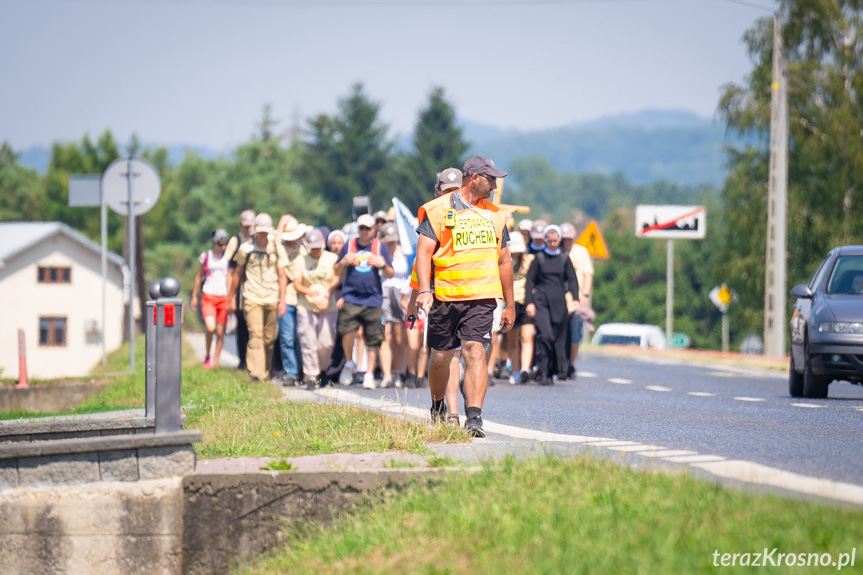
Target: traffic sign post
[
  {"x": 85, "y": 190},
  {"x": 131, "y": 187},
  {"x": 670, "y": 222},
  {"x": 722, "y": 297}
]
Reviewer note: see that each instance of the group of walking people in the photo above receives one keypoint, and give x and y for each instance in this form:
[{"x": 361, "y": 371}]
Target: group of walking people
[{"x": 347, "y": 305}]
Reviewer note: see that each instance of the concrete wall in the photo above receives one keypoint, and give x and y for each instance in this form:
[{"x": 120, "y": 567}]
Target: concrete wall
[
  {"x": 231, "y": 518},
  {"x": 109, "y": 528},
  {"x": 23, "y": 300},
  {"x": 200, "y": 523}
]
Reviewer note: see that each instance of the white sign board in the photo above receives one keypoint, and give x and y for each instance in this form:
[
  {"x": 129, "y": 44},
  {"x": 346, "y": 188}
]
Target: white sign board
[
  {"x": 144, "y": 180},
  {"x": 85, "y": 191},
  {"x": 672, "y": 222}
]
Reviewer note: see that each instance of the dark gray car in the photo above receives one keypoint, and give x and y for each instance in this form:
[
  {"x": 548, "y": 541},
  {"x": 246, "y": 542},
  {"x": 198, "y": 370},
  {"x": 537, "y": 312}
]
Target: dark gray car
[{"x": 827, "y": 325}]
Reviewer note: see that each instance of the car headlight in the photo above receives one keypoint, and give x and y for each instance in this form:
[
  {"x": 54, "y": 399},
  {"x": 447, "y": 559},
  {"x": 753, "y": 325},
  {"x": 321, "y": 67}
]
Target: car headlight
[{"x": 855, "y": 327}]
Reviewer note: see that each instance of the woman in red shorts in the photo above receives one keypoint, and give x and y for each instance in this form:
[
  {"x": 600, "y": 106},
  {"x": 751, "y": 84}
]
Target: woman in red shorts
[{"x": 214, "y": 301}]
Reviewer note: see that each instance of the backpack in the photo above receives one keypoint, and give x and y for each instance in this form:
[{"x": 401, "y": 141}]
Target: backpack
[
  {"x": 375, "y": 247},
  {"x": 206, "y": 265}
]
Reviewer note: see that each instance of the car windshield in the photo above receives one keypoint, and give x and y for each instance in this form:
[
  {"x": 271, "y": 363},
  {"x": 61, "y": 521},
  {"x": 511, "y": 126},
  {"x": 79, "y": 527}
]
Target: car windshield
[
  {"x": 847, "y": 275},
  {"x": 613, "y": 339}
]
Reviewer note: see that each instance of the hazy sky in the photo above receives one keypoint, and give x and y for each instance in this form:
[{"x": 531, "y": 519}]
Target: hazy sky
[{"x": 199, "y": 71}]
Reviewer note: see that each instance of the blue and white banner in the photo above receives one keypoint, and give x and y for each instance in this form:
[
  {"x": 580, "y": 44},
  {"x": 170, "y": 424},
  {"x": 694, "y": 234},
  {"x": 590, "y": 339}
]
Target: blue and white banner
[{"x": 406, "y": 223}]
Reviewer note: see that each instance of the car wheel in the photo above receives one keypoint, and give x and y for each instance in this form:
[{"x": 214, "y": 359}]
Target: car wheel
[
  {"x": 795, "y": 381},
  {"x": 814, "y": 387}
]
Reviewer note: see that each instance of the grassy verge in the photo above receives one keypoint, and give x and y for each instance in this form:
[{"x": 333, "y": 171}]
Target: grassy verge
[
  {"x": 549, "y": 515},
  {"x": 126, "y": 390},
  {"x": 238, "y": 418}
]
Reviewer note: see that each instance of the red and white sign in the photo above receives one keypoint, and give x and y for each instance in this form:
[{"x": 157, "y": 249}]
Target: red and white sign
[{"x": 672, "y": 222}]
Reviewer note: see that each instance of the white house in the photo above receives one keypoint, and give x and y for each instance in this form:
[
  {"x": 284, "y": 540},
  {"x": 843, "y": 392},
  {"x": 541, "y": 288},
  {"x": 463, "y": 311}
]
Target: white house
[{"x": 51, "y": 287}]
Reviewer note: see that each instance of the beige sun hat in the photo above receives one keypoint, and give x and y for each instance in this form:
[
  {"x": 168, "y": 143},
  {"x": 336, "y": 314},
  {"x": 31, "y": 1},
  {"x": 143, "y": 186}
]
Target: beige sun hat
[{"x": 293, "y": 230}]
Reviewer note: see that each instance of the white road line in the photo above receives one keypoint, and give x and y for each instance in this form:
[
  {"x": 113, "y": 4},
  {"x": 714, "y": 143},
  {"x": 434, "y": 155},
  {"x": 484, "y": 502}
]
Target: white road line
[
  {"x": 702, "y": 394},
  {"x": 657, "y": 388},
  {"x": 667, "y": 453},
  {"x": 694, "y": 458},
  {"x": 745, "y": 471},
  {"x": 806, "y": 405},
  {"x": 584, "y": 374},
  {"x": 764, "y": 475},
  {"x": 612, "y": 443},
  {"x": 749, "y": 398},
  {"x": 619, "y": 380}
]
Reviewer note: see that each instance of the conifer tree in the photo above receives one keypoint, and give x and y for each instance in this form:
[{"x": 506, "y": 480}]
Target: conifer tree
[
  {"x": 437, "y": 145},
  {"x": 348, "y": 155}
]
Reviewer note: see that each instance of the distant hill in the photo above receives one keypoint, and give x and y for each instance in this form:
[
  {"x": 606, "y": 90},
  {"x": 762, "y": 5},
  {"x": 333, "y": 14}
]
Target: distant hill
[
  {"x": 38, "y": 157},
  {"x": 645, "y": 147}
]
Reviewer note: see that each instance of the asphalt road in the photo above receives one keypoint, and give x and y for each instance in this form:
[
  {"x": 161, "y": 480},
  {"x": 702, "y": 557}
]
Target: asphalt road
[
  {"x": 702, "y": 412},
  {"x": 708, "y": 410}
]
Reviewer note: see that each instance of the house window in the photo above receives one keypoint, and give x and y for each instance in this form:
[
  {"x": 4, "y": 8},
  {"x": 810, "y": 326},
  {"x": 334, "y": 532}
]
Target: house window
[
  {"x": 52, "y": 331},
  {"x": 54, "y": 275}
]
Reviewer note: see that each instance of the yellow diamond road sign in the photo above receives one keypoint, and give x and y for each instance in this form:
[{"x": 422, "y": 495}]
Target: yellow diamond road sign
[
  {"x": 725, "y": 294},
  {"x": 722, "y": 296}
]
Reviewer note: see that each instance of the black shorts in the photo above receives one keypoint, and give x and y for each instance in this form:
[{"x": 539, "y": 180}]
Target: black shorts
[
  {"x": 521, "y": 317},
  {"x": 451, "y": 322},
  {"x": 352, "y": 316}
]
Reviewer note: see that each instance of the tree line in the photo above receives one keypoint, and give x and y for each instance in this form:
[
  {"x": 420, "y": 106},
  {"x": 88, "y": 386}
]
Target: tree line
[{"x": 314, "y": 174}]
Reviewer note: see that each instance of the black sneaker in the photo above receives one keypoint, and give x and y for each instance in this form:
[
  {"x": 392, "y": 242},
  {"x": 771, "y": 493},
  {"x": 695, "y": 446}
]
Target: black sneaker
[
  {"x": 422, "y": 382},
  {"x": 499, "y": 368},
  {"x": 438, "y": 416},
  {"x": 474, "y": 426},
  {"x": 309, "y": 382},
  {"x": 570, "y": 373},
  {"x": 411, "y": 381},
  {"x": 523, "y": 377},
  {"x": 289, "y": 381}
]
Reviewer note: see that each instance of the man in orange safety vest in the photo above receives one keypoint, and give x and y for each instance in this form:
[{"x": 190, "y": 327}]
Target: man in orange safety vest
[{"x": 466, "y": 237}]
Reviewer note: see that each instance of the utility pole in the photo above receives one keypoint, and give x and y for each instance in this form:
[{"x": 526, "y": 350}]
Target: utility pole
[
  {"x": 669, "y": 293},
  {"x": 777, "y": 199}
]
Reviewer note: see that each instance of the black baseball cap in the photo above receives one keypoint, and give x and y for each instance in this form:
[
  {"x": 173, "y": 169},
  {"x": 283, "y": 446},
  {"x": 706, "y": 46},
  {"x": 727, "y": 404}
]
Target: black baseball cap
[{"x": 482, "y": 165}]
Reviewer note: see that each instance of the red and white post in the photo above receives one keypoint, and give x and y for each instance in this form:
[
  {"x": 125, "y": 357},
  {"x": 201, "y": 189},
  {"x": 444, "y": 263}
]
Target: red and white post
[{"x": 22, "y": 361}]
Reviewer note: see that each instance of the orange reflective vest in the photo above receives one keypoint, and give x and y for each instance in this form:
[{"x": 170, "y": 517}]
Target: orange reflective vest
[{"x": 466, "y": 261}]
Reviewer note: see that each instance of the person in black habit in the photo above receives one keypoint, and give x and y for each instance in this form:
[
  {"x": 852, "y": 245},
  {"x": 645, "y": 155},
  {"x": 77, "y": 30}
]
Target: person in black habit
[{"x": 549, "y": 277}]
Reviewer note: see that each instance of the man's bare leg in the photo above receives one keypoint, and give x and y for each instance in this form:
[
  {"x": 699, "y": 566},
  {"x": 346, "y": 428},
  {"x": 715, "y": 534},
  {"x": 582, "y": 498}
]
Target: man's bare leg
[
  {"x": 348, "y": 345},
  {"x": 438, "y": 372},
  {"x": 475, "y": 385},
  {"x": 452, "y": 386},
  {"x": 475, "y": 376}
]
